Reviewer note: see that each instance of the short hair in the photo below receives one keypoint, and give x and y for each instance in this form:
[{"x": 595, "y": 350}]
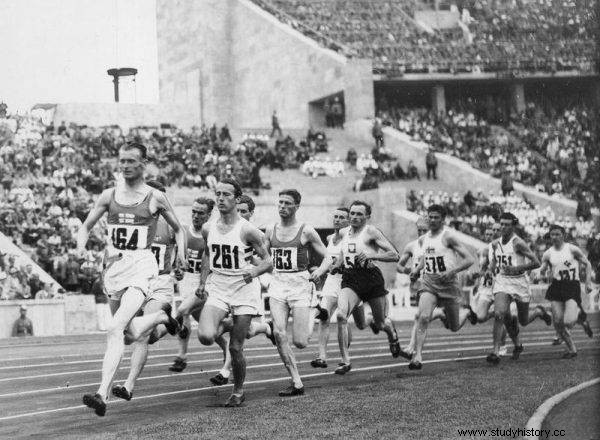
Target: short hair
[
  {"x": 361, "y": 203},
  {"x": 131, "y": 145},
  {"x": 294, "y": 194},
  {"x": 156, "y": 185},
  {"x": 343, "y": 209},
  {"x": 244, "y": 198},
  {"x": 437, "y": 208},
  {"x": 509, "y": 216},
  {"x": 422, "y": 220},
  {"x": 557, "y": 227},
  {"x": 236, "y": 186},
  {"x": 210, "y": 203}
]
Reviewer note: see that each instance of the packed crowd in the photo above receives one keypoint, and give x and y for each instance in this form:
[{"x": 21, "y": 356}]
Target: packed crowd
[
  {"x": 542, "y": 35},
  {"x": 472, "y": 214},
  {"x": 327, "y": 166},
  {"x": 50, "y": 177},
  {"x": 556, "y": 154}
]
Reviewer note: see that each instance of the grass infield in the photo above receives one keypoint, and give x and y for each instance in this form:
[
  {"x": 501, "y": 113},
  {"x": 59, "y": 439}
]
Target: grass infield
[{"x": 391, "y": 403}]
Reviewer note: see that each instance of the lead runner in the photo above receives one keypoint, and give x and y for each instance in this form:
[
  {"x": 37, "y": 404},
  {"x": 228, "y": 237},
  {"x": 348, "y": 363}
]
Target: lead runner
[{"x": 132, "y": 208}]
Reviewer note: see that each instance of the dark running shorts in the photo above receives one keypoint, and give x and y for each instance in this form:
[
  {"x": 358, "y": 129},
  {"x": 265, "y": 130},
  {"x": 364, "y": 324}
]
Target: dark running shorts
[
  {"x": 367, "y": 283},
  {"x": 564, "y": 291}
]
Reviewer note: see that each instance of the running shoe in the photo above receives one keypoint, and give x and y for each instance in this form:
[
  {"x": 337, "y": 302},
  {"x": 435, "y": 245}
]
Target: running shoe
[
  {"x": 234, "y": 400},
  {"x": 272, "y": 337},
  {"x": 184, "y": 332},
  {"x": 556, "y": 341},
  {"x": 493, "y": 359},
  {"x": 291, "y": 391},
  {"x": 587, "y": 329},
  {"x": 374, "y": 328},
  {"x": 472, "y": 316},
  {"x": 96, "y": 403},
  {"x": 397, "y": 351},
  {"x": 179, "y": 365},
  {"x": 545, "y": 315},
  {"x": 343, "y": 368},
  {"x": 219, "y": 380},
  {"x": 323, "y": 313},
  {"x": 172, "y": 325},
  {"x": 517, "y": 352},
  {"x": 415, "y": 365},
  {"x": 569, "y": 355},
  {"x": 318, "y": 363},
  {"x": 121, "y": 392}
]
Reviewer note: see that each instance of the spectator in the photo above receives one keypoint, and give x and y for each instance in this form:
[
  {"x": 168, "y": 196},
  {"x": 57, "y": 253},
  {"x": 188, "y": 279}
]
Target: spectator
[
  {"x": 412, "y": 172},
  {"x": 377, "y": 133},
  {"x": 275, "y": 126},
  {"x": 506, "y": 183},
  {"x": 584, "y": 209},
  {"x": 46, "y": 292},
  {"x": 23, "y": 325},
  {"x": 431, "y": 164}
]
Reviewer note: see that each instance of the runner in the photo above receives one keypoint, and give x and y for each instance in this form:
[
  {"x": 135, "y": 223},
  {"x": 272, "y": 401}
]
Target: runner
[
  {"x": 133, "y": 209},
  {"x": 414, "y": 251},
  {"x": 190, "y": 304},
  {"x": 230, "y": 280},
  {"x": 563, "y": 260},
  {"x": 511, "y": 284},
  {"x": 291, "y": 290},
  {"x": 245, "y": 208},
  {"x": 332, "y": 287},
  {"x": 483, "y": 299},
  {"x": 439, "y": 284},
  {"x": 362, "y": 244},
  {"x": 162, "y": 288}
]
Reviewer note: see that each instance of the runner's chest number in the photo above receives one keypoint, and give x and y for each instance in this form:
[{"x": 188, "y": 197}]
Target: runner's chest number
[
  {"x": 285, "y": 258},
  {"x": 126, "y": 237},
  {"x": 225, "y": 256},
  {"x": 435, "y": 264}
]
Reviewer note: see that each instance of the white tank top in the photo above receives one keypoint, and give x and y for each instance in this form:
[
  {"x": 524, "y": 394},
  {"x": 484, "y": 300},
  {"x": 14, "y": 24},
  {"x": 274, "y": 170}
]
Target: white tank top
[
  {"x": 417, "y": 252},
  {"x": 333, "y": 253},
  {"x": 439, "y": 258},
  {"x": 505, "y": 255},
  {"x": 564, "y": 265},
  {"x": 228, "y": 254},
  {"x": 353, "y": 245},
  {"x": 487, "y": 280}
]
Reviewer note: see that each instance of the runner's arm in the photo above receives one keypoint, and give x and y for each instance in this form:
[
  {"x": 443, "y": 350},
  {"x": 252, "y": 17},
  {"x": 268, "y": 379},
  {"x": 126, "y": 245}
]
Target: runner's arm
[
  {"x": 205, "y": 267},
  {"x": 95, "y": 214},
  {"x": 406, "y": 255},
  {"x": 255, "y": 238},
  {"x": 522, "y": 248},
  {"x": 387, "y": 251},
  {"x": 545, "y": 264},
  {"x": 463, "y": 253},
  {"x": 315, "y": 241},
  {"x": 579, "y": 256},
  {"x": 168, "y": 213}
]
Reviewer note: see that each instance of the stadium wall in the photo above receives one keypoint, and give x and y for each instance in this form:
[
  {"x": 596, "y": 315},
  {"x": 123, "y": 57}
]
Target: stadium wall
[
  {"x": 455, "y": 174},
  {"x": 126, "y": 115},
  {"x": 247, "y": 63}
]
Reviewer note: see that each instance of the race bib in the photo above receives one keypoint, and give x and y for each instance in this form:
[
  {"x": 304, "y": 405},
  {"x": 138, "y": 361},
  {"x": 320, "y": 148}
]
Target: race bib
[
  {"x": 194, "y": 265},
  {"x": 435, "y": 264},
  {"x": 285, "y": 259},
  {"x": 159, "y": 251},
  {"x": 128, "y": 237}
]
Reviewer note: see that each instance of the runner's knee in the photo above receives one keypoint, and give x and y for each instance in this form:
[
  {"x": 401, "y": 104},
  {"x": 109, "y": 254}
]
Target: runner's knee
[{"x": 300, "y": 342}]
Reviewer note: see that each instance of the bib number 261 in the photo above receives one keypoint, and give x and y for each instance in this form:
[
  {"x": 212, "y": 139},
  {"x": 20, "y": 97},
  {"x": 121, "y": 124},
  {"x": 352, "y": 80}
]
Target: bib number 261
[{"x": 225, "y": 257}]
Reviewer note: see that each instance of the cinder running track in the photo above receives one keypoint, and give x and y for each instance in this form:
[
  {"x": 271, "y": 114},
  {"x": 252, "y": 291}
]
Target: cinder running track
[{"x": 42, "y": 380}]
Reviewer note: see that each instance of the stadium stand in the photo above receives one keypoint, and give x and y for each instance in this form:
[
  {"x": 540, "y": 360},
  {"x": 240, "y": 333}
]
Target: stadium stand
[{"x": 542, "y": 35}]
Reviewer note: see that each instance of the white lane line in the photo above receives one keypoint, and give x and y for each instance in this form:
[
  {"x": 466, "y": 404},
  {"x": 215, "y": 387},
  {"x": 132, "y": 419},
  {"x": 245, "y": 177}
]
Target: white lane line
[
  {"x": 251, "y": 382},
  {"x": 276, "y": 364},
  {"x": 535, "y": 422},
  {"x": 252, "y": 349},
  {"x": 457, "y": 338}
]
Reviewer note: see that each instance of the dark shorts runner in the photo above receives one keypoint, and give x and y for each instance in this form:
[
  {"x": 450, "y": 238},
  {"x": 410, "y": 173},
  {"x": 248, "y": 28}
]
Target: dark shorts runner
[{"x": 367, "y": 283}]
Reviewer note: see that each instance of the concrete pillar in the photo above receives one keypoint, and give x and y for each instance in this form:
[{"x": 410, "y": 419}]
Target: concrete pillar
[
  {"x": 438, "y": 99},
  {"x": 517, "y": 97}
]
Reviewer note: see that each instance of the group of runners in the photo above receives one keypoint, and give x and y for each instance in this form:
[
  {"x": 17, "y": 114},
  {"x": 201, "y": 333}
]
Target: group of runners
[{"x": 219, "y": 264}]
